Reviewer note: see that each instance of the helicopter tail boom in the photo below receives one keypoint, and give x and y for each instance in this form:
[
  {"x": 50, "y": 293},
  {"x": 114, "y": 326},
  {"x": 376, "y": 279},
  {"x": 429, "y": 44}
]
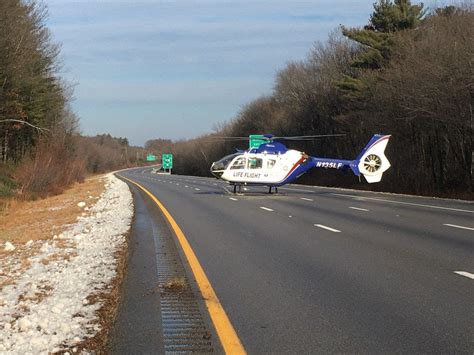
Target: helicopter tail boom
[{"x": 371, "y": 162}]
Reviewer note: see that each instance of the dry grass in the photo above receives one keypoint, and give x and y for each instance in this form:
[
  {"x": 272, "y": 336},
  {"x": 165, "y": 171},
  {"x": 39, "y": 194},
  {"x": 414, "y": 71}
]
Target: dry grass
[{"x": 40, "y": 220}]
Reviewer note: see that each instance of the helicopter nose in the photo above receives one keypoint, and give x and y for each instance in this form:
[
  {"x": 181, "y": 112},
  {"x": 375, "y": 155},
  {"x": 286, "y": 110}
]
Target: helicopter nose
[{"x": 214, "y": 171}]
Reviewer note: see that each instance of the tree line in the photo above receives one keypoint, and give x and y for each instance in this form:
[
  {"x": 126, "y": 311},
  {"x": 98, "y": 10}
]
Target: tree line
[
  {"x": 408, "y": 73},
  {"x": 41, "y": 150}
]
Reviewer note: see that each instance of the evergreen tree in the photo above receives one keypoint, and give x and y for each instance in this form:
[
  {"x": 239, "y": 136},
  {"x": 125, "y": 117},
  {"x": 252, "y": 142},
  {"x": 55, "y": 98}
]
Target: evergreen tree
[
  {"x": 376, "y": 40},
  {"x": 401, "y": 15},
  {"x": 30, "y": 92}
]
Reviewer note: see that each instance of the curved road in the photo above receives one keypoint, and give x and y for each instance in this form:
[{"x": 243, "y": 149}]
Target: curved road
[{"x": 329, "y": 270}]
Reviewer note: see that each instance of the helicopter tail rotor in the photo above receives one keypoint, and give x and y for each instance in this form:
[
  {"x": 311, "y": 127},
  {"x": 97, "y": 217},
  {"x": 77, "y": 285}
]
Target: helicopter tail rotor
[{"x": 372, "y": 162}]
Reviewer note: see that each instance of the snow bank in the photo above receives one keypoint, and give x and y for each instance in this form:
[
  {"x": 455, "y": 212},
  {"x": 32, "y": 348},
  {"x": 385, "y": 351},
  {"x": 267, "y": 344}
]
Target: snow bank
[{"x": 49, "y": 307}]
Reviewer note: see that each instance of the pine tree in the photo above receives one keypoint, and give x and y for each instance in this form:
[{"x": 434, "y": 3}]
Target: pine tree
[{"x": 376, "y": 40}]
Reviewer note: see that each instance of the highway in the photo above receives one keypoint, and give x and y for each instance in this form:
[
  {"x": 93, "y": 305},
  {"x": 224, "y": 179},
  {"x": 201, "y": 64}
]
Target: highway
[{"x": 321, "y": 270}]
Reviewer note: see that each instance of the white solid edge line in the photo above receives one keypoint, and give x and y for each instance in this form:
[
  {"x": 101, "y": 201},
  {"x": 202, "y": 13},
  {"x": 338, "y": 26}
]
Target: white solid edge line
[
  {"x": 327, "y": 228},
  {"x": 456, "y": 226},
  {"x": 404, "y": 203},
  {"x": 233, "y": 199},
  {"x": 359, "y": 209},
  {"x": 306, "y": 199},
  {"x": 266, "y": 209},
  {"x": 465, "y": 274}
]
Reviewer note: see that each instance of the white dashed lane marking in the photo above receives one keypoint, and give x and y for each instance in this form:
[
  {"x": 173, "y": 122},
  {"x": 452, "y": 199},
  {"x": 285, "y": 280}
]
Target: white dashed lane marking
[
  {"x": 359, "y": 209},
  {"x": 266, "y": 209},
  {"x": 233, "y": 199},
  {"x": 456, "y": 226},
  {"x": 197, "y": 189},
  {"x": 327, "y": 228},
  {"x": 465, "y": 274},
  {"x": 306, "y": 199}
]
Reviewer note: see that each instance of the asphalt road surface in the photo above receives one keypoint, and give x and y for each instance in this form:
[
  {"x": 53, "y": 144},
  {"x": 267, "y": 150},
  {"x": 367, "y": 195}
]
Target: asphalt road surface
[{"x": 317, "y": 270}]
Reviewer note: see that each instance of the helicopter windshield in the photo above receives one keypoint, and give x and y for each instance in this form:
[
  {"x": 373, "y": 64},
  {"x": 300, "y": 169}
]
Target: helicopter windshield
[{"x": 224, "y": 162}]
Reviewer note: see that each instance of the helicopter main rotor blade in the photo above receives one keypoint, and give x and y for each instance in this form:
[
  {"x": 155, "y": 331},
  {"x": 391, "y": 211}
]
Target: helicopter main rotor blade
[
  {"x": 228, "y": 138},
  {"x": 289, "y": 138},
  {"x": 302, "y": 138}
]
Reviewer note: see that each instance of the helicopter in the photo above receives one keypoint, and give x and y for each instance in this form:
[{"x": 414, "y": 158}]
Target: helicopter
[{"x": 272, "y": 164}]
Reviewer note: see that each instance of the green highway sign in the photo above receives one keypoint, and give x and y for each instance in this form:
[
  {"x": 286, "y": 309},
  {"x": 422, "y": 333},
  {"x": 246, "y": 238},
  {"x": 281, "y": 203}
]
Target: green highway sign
[
  {"x": 167, "y": 161},
  {"x": 256, "y": 139},
  {"x": 150, "y": 157}
]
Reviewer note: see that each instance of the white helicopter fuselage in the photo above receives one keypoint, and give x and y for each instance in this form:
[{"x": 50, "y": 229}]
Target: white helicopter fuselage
[{"x": 262, "y": 168}]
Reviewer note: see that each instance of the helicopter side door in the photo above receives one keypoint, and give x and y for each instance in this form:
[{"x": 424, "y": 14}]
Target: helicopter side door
[{"x": 261, "y": 168}]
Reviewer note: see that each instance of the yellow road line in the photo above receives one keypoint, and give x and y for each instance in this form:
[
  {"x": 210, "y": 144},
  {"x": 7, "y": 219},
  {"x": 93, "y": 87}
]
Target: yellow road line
[{"x": 225, "y": 331}]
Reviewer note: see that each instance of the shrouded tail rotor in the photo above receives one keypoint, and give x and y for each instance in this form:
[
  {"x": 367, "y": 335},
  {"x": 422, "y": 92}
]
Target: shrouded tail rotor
[{"x": 372, "y": 162}]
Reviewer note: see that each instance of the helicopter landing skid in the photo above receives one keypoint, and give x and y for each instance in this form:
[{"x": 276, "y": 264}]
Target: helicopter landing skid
[
  {"x": 270, "y": 189},
  {"x": 235, "y": 189},
  {"x": 238, "y": 189}
]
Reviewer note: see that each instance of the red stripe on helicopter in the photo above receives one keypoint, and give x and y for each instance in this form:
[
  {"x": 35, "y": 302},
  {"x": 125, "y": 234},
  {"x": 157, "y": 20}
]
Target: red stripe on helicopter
[{"x": 298, "y": 163}]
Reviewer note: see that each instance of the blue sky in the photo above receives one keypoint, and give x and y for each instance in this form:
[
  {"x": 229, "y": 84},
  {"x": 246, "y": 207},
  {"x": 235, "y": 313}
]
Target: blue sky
[{"x": 175, "y": 68}]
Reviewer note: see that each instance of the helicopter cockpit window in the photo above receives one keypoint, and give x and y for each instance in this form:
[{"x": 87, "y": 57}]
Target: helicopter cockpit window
[
  {"x": 224, "y": 162},
  {"x": 239, "y": 164},
  {"x": 255, "y": 163},
  {"x": 270, "y": 163}
]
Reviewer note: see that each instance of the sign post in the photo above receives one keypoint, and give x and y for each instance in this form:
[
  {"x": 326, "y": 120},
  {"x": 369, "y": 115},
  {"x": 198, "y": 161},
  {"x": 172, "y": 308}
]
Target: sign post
[{"x": 167, "y": 162}]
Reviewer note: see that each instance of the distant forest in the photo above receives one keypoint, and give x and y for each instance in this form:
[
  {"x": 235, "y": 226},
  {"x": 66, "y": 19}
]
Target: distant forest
[{"x": 408, "y": 73}]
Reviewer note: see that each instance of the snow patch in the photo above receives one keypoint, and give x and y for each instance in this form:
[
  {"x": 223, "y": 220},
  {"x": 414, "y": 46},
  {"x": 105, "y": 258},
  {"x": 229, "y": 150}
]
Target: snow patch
[
  {"x": 50, "y": 307},
  {"x": 9, "y": 246}
]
